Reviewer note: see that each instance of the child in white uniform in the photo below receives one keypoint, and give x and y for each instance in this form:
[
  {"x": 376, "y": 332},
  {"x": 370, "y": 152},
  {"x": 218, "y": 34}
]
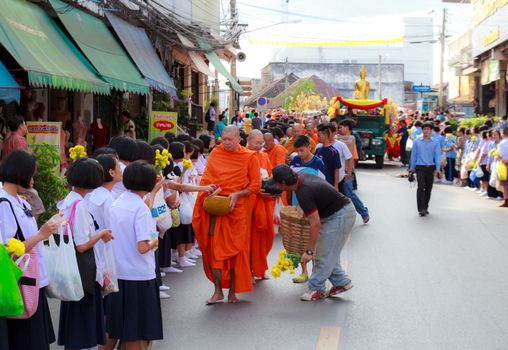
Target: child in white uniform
[{"x": 133, "y": 314}]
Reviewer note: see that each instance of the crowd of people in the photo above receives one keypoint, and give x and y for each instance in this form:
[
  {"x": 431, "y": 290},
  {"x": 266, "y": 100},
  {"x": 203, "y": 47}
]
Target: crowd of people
[
  {"x": 112, "y": 194},
  {"x": 309, "y": 159},
  {"x": 463, "y": 156}
]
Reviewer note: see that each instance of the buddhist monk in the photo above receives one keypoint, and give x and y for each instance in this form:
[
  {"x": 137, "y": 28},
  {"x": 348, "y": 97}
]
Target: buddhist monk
[
  {"x": 225, "y": 240},
  {"x": 262, "y": 226},
  {"x": 276, "y": 153},
  {"x": 297, "y": 131}
]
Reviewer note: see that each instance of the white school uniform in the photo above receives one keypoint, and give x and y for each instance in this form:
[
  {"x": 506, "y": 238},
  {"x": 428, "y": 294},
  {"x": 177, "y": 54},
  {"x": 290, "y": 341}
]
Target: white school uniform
[
  {"x": 27, "y": 224},
  {"x": 119, "y": 188},
  {"x": 502, "y": 148},
  {"x": 131, "y": 222},
  {"x": 83, "y": 227}
]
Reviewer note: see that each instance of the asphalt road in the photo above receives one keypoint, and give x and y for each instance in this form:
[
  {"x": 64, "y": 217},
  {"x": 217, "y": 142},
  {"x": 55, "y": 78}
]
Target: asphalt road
[{"x": 437, "y": 282}]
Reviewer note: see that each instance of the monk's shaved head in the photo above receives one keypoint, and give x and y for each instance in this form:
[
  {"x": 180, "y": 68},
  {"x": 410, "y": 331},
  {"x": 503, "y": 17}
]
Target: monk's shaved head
[
  {"x": 269, "y": 140},
  {"x": 297, "y": 130},
  {"x": 231, "y": 138},
  {"x": 255, "y": 140},
  {"x": 231, "y": 129}
]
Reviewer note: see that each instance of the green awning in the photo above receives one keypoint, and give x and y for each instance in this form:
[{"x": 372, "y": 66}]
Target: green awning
[
  {"x": 215, "y": 61},
  {"x": 42, "y": 49},
  {"x": 101, "y": 48}
]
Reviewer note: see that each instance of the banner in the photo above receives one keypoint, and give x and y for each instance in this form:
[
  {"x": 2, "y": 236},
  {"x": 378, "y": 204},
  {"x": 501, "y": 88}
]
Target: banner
[
  {"x": 43, "y": 132},
  {"x": 161, "y": 123}
]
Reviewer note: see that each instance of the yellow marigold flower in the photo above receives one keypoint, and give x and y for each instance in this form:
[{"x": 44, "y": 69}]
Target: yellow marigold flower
[
  {"x": 187, "y": 164},
  {"x": 15, "y": 247}
]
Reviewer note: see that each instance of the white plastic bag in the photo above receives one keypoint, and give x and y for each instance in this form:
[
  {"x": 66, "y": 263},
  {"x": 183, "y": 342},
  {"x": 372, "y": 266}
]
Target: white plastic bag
[
  {"x": 479, "y": 172},
  {"x": 62, "y": 266},
  {"x": 493, "y": 173},
  {"x": 186, "y": 209},
  {"x": 161, "y": 212},
  {"x": 110, "y": 277},
  {"x": 409, "y": 145}
]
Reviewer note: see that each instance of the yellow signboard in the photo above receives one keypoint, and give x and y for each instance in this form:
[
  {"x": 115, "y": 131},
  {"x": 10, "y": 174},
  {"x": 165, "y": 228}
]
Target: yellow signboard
[{"x": 43, "y": 132}]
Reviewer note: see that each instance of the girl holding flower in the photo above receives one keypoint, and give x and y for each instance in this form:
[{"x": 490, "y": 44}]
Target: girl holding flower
[{"x": 17, "y": 173}]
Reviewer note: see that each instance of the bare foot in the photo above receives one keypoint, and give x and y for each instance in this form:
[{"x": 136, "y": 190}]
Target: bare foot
[
  {"x": 216, "y": 298},
  {"x": 232, "y": 299},
  {"x": 504, "y": 205}
]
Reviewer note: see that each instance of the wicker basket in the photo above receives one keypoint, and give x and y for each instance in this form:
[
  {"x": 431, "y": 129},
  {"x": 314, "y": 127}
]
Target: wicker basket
[{"x": 295, "y": 230}]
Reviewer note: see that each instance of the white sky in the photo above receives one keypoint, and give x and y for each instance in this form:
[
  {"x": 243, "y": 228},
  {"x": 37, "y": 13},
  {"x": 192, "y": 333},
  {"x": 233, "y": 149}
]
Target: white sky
[{"x": 335, "y": 20}]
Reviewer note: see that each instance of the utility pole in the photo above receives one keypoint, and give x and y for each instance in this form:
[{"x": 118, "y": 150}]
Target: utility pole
[
  {"x": 442, "y": 38},
  {"x": 234, "y": 26},
  {"x": 286, "y": 83},
  {"x": 379, "y": 68}
]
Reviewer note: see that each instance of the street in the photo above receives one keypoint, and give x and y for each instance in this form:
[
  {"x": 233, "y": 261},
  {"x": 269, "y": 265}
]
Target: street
[{"x": 420, "y": 283}]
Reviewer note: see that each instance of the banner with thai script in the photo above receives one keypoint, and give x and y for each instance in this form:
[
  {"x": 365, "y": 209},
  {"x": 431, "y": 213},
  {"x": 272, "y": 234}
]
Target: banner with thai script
[
  {"x": 161, "y": 123},
  {"x": 43, "y": 132}
]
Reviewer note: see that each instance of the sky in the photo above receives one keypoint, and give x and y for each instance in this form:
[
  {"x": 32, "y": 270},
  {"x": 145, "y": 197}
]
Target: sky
[{"x": 335, "y": 20}]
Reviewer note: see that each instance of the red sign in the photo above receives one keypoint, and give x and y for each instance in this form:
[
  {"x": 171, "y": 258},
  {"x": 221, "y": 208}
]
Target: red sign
[{"x": 163, "y": 125}]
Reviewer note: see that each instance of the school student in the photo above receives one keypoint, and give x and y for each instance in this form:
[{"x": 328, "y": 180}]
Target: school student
[
  {"x": 133, "y": 315},
  {"x": 127, "y": 150},
  {"x": 82, "y": 322},
  {"x": 16, "y": 173}
]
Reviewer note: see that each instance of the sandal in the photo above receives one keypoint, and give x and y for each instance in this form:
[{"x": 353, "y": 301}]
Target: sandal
[{"x": 301, "y": 279}]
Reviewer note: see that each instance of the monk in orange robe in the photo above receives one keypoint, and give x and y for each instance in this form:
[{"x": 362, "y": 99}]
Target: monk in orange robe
[
  {"x": 224, "y": 240},
  {"x": 297, "y": 131},
  {"x": 262, "y": 226},
  {"x": 276, "y": 153}
]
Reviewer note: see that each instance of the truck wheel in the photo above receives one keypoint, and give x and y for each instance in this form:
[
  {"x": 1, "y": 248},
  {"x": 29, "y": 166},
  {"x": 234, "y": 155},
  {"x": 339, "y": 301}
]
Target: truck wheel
[{"x": 380, "y": 161}]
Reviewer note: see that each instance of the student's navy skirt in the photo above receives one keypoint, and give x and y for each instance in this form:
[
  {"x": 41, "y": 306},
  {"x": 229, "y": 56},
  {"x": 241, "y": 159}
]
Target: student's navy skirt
[
  {"x": 33, "y": 333},
  {"x": 165, "y": 249},
  {"x": 82, "y": 322},
  {"x": 134, "y": 313},
  {"x": 183, "y": 234}
]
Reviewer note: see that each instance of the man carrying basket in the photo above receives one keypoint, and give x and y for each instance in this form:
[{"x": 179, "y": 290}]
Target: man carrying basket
[{"x": 331, "y": 217}]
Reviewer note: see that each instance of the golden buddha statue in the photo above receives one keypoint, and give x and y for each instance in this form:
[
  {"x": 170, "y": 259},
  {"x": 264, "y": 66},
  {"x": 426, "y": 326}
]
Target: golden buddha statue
[{"x": 362, "y": 86}]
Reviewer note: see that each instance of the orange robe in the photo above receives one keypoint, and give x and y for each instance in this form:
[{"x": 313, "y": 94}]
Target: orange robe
[
  {"x": 277, "y": 155},
  {"x": 228, "y": 248},
  {"x": 262, "y": 227},
  {"x": 290, "y": 147}
]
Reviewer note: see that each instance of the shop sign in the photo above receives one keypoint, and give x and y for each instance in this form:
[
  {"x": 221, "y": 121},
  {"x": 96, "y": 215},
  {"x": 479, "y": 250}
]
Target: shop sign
[
  {"x": 161, "y": 123},
  {"x": 43, "y": 132},
  {"x": 488, "y": 29}
]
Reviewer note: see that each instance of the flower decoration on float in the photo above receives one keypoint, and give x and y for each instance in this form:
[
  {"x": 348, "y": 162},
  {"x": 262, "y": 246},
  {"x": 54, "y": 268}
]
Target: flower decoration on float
[
  {"x": 77, "y": 152},
  {"x": 15, "y": 247},
  {"x": 162, "y": 159}
]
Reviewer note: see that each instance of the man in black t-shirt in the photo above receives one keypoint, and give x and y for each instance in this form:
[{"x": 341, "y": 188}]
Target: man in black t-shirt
[{"x": 331, "y": 217}]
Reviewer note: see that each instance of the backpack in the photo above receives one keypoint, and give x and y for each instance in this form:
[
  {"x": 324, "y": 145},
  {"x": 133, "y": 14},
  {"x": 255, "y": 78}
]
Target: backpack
[{"x": 207, "y": 116}]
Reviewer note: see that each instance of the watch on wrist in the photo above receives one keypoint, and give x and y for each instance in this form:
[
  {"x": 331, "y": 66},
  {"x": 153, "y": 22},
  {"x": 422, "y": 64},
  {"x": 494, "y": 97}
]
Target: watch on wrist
[{"x": 309, "y": 252}]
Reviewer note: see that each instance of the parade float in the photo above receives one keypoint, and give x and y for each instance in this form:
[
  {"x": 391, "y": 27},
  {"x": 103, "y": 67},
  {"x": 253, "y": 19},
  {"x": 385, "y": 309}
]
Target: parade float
[{"x": 372, "y": 118}]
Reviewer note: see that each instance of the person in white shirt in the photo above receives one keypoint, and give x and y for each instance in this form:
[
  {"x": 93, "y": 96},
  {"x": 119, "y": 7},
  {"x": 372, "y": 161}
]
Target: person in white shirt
[
  {"x": 134, "y": 313},
  {"x": 16, "y": 220},
  {"x": 81, "y": 323},
  {"x": 502, "y": 148},
  {"x": 127, "y": 150}
]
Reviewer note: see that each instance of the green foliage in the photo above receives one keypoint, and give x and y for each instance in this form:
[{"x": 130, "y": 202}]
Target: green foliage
[
  {"x": 303, "y": 86},
  {"x": 478, "y": 121},
  {"x": 49, "y": 184}
]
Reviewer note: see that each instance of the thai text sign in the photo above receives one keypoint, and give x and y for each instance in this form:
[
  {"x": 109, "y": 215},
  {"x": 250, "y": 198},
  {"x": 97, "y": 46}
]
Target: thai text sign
[
  {"x": 161, "y": 123},
  {"x": 43, "y": 132}
]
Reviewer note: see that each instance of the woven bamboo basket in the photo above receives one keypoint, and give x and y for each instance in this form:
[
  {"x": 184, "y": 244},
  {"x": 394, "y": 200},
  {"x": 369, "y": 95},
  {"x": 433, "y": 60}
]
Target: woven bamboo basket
[{"x": 295, "y": 230}]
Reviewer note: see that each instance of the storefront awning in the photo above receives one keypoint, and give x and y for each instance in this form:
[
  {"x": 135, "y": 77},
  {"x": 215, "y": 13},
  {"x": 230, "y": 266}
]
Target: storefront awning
[
  {"x": 215, "y": 61},
  {"x": 141, "y": 50},
  {"x": 198, "y": 61},
  {"x": 101, "y": 48},
  {"x": 42, "y": 49},
  {"x": 9, "y": 89}
]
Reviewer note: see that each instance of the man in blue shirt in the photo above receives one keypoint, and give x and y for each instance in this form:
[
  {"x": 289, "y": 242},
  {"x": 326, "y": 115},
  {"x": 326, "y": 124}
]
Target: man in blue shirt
[
  {"x": 329, "y": 155},
  {"x": 425, "y": 159},
  {"x": 305, "y": 160}
]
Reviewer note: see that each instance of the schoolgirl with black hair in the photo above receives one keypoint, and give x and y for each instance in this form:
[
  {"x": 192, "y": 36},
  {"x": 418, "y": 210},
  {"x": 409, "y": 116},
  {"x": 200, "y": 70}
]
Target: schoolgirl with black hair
[
  {"x": 127, "y": 150},
  {"x": 133, "y": 314},
  {"x": 17, "y": 221},
  {"x": 82, "y": 322}
]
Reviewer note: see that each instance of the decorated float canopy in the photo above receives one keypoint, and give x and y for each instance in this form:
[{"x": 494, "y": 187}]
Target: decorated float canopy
[{"x": 359, "y": 104}]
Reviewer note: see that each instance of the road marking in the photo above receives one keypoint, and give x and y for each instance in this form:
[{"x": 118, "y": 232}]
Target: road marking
[
  {"x": 345, "y": 265},
  {"x": 329, "y": 338}
]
